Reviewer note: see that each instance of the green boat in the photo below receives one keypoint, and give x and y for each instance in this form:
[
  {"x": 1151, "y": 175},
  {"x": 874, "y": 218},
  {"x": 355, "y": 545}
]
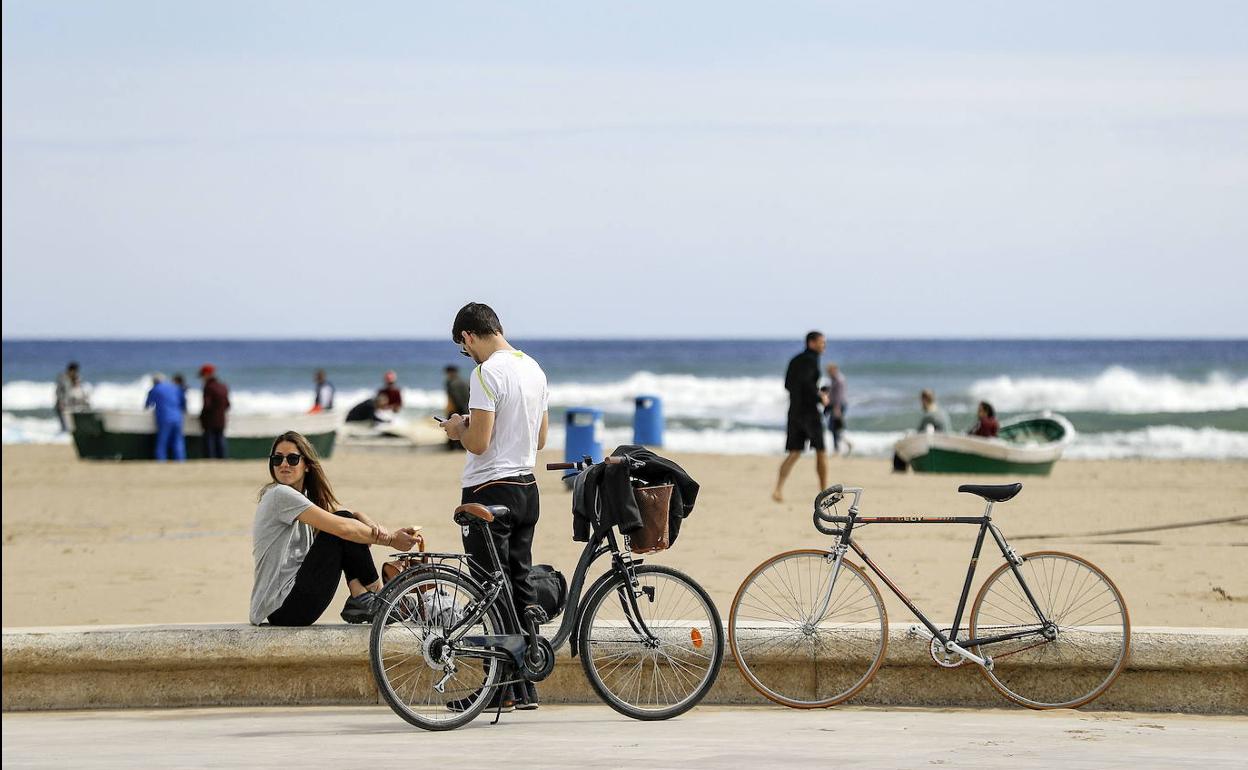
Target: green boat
[
  {"x": 131, "y": 435},
  {"x": 1030, "y": 444}
]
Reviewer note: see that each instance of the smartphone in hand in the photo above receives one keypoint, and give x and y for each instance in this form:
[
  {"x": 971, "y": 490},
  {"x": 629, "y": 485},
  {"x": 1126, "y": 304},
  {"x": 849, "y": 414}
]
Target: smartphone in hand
[{"x": 439, "y": 418}]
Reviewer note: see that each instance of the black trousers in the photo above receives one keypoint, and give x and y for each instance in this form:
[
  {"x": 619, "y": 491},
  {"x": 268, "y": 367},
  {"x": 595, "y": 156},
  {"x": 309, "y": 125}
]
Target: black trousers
[
  {"x": 329, "y": 558},
  {"x": 514, "y": 538}
]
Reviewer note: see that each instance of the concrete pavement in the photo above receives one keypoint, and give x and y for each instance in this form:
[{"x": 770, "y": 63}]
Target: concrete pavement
[{"x": 594, "y": 736}]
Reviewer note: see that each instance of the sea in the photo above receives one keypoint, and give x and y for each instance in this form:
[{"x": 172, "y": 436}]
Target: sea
[{"x": 1126, "y": 398}]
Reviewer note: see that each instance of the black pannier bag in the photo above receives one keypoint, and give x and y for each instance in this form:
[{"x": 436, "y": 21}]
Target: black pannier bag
[{"x": 551, "y": 588}]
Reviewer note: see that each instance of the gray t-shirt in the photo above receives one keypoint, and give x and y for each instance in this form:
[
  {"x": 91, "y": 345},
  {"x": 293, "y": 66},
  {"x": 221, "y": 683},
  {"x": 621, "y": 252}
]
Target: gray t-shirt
[
  {"x": 935, "y": 418},
  {"x": 279, "y": 542}
]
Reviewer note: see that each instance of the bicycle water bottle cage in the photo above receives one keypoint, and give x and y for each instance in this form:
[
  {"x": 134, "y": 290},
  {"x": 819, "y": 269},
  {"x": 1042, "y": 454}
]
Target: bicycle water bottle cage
[{"x": 475, "y": 513}]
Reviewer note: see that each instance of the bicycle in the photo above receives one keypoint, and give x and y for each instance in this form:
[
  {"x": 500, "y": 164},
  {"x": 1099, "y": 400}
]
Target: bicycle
[
  {"x": 1048, "y": 629},
  {"x": 448, "y": 635}
]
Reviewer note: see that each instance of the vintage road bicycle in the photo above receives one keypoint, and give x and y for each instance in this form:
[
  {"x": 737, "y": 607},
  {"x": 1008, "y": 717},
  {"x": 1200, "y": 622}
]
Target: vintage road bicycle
[
  {"x": 448, "y": 636},
  {"x": 1048, "y": 629}
]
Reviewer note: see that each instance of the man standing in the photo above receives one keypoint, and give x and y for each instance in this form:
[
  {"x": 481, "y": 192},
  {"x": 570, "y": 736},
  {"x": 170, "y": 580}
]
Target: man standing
[
  {"x": 457, "y": 392},
  {"x": 835, "y": 409},
  {"x": 212, "y": 416},
  {"x": 804, "y": 423},
  {"x": 324, "y": 393},
  {"x": 506, "y": 426},
  {"x": 170, "y": 404},
  {"x": 71, "y": 395}
]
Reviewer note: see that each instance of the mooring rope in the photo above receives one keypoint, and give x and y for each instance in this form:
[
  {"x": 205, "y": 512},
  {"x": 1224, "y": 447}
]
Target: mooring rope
[{"x": 1132, "y": 530}]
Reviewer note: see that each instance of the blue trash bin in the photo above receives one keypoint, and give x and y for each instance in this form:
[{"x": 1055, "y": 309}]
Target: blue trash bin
[
  {"x": 583, "y": 436},
  {"x": 648, "y": 421}
]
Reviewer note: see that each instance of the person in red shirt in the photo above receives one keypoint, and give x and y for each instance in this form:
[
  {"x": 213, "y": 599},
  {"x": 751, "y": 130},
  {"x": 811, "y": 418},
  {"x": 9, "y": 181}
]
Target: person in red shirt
[
  {"x": 986, "y": 425},
  {"x": 394, "y": 398},
  {"x": 212, "y": 416}
]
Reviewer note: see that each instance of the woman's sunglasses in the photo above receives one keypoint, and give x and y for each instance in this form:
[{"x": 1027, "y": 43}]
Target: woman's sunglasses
[{"x": 292, "y": 459}]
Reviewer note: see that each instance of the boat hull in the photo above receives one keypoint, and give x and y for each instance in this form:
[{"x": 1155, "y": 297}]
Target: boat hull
[
  {"x": 124, "y": 435},
  {"x": 1030, "y": 445}
]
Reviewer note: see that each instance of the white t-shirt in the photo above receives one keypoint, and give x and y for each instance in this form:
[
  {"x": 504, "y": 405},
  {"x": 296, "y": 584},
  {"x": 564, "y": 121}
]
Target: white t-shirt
[{"x": 512, "y": 386}]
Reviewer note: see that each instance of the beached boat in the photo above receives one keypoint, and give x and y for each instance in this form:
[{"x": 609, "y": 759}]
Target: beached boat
[
  {"x": 1026, "y": 445},
  {"x": 396, "y": 434},
  {"x": 131, "y": 434}
]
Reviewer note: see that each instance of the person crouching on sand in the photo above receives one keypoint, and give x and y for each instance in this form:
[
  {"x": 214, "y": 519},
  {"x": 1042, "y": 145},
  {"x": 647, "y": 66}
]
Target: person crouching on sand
[{"x": 301, "y": 548}]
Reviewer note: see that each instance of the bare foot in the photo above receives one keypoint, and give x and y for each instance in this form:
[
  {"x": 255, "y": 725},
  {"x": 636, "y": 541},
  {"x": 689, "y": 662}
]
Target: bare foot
[{"x": 775, "y": 495}]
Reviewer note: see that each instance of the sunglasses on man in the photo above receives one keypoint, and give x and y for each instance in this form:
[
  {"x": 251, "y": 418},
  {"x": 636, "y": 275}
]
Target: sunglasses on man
[{"x": 291, "y": 459}]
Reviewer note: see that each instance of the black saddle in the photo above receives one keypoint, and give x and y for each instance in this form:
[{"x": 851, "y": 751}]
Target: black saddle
[
  {"x": 475, "y": 513},
  {"x": 997, "y": 493}
]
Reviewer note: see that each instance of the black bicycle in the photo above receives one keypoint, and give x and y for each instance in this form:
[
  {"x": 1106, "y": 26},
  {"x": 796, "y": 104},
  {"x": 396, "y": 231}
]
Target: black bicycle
[
  {"x": 1048, "y": 629},
  {"x": 448, "y": 636}
]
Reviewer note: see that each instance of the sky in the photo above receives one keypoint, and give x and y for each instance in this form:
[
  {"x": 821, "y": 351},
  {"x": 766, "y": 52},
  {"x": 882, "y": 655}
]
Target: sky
[{"x": 884, "y": 169}]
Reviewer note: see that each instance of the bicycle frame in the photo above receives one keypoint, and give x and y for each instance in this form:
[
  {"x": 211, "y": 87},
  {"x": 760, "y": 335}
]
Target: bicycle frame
[
  {"x": 845, "y": 542},
  {"x": 496, "y": 589}
]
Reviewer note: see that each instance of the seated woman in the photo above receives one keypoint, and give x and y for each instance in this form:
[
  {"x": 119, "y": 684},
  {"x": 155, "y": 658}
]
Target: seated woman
[
  {"x": 986, "y": 425},
  {"x": 301, "y": 548}
]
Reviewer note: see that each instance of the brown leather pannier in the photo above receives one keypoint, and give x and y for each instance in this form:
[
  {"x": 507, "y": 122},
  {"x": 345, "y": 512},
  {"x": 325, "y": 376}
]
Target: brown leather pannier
[{"x": 654, "y": 503}]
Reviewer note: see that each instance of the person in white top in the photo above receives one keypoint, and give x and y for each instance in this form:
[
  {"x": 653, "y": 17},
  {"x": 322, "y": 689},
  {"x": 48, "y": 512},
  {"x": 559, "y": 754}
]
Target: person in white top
[{"x": 506, "y": 425}]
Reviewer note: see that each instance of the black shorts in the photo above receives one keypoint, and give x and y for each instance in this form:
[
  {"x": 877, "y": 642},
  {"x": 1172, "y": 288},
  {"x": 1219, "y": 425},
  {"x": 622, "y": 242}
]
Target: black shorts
[{"x": 804, "y": 429}]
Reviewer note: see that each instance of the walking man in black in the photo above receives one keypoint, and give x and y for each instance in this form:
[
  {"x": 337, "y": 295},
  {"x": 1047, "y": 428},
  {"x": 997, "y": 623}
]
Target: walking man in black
[{"x": 805, "y": 425}]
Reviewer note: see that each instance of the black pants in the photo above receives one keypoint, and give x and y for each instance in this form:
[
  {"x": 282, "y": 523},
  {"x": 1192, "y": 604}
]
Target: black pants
[
  {"x": 514, "y": 542},
  {"x": 317, "y": 580},
  {"x": 514, "y": 538},
  {"x": 214, "y": 444}
]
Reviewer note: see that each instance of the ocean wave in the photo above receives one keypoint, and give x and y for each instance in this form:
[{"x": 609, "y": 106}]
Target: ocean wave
[
  {"x": 1117, "y": 390},
  {"x": 738, "y": 399}
]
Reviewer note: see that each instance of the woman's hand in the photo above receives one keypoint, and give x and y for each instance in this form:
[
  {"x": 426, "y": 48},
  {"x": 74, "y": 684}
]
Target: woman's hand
[{"x": 404, "y": 538}]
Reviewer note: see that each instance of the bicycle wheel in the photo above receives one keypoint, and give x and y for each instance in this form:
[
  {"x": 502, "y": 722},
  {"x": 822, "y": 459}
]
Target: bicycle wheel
[
  {"x": 659, "y": 677},
  {"x": 794, "y": 648},
  {"x": 409, "y": 653},
  {"x": 1085, "y": 646}
]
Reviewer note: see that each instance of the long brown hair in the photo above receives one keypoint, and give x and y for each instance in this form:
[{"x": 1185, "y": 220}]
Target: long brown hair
[{"x": 315, "y": 483}]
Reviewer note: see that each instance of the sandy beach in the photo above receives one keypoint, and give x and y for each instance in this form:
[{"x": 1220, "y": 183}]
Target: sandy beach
[{"x": 100, "y": 543}]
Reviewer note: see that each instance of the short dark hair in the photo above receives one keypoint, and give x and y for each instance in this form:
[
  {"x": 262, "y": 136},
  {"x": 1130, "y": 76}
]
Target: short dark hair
[
  {"x": 812, "y": 336},
  {"x": 73, "y": 366},
  {"x": 452, "y": 369},
  {"x": 476, "y": 318}
]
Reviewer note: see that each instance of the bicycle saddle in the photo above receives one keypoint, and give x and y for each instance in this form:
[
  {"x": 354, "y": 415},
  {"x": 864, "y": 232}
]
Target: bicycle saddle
[
  {"x": 465, "y": 513},
  {"x": 997, "y": 493}
]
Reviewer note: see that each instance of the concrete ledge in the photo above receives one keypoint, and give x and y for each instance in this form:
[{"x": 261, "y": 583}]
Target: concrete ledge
[{"x": 1197, "y": 670}]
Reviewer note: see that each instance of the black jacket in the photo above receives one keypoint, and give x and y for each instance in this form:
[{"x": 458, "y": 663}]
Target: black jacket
[
  {"x": 802, "y": 381},
  {"x": 604, "y": 490}
]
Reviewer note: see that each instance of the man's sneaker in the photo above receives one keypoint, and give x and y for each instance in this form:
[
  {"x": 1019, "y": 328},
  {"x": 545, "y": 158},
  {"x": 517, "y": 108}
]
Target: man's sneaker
[
  {"x": 360, "y": 609},
  {"x": 528, "y": 699},
  {"x": 463, "y": 704}
]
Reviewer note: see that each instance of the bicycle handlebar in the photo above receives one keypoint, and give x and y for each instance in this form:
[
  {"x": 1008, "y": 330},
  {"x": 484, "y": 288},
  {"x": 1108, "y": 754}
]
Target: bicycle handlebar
[
  {"x": 581, "y": 465},
  {"x": 826, "y": 499}
]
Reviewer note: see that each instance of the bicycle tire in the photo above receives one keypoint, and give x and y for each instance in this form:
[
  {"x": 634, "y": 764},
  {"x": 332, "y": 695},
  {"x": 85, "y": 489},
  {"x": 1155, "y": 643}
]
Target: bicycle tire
[
  {"x": 771, "y": 623},
  {"x": 402, "y": 628},
  {"x": 608, "y": 646},
  {"x": 1093, "y": 631}
]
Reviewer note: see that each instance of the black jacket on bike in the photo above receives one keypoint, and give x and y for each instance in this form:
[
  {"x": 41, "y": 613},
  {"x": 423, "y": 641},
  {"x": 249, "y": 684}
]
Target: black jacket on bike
[{"x": 606, "y": 488}]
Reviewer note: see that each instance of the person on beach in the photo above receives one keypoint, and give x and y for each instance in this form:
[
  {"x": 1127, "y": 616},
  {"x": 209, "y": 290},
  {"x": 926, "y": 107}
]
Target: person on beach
[
  {"x": 934, "y": 419},
  {"x": 169, "y": 403},
  {"x": 390, "y": 389},
  {"x": 457, "y": 392},
  {"x": 805, "y": 426},
  {"x": 212, "y": 415},
  {"x": 324, "y": 393},
  {"x": 986, "y": 424},
  {"x": 834, "y": 412},
  {"x": 71, "y": 395},
  {"x": 302, "y": 543},
  {"x": 506, "y": 425}
]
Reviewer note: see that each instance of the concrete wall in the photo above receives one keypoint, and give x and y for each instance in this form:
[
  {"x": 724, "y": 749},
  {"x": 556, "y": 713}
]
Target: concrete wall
[{"x": 1170, "y": 669}]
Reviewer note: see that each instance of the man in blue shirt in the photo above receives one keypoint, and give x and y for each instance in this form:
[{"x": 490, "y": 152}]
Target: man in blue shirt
[{"x": 169, "y": 402}]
